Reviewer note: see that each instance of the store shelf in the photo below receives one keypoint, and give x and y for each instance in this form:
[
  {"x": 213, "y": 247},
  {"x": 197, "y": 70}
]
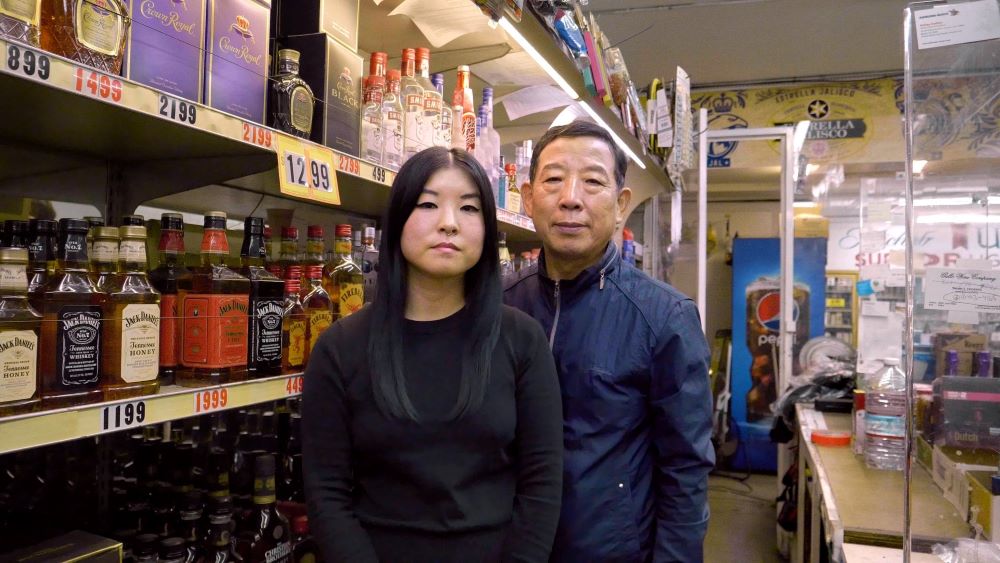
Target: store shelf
[{"x": 171, "y": 403}]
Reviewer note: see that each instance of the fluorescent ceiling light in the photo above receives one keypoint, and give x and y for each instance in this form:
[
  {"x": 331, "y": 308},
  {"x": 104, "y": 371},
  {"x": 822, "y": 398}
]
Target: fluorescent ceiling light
[
  {"x": 530, "y": 49},
  {"x": 959, "y": 218},
  {"x": 628, "y": 150},
  {"x": 918, "y": 166},
  {"x": 949, "y": 201}
]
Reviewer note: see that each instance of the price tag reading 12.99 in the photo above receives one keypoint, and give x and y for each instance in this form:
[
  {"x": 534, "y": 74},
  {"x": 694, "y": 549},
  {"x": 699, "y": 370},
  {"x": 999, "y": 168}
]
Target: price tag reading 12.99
[{"x": 306, "y": 170}]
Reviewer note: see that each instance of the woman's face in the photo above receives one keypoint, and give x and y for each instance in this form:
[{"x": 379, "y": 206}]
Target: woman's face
[{"x": 443, "y": 237}]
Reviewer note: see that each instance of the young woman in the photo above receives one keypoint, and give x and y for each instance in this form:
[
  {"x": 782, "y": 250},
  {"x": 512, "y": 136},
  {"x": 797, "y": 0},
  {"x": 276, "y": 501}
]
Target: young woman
[{"x": 432, "y": 419}]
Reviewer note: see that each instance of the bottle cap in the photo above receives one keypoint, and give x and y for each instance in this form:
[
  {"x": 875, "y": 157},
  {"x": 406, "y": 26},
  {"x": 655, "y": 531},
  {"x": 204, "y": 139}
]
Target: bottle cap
[
  {"x": 215, "y": 220},
  {"x": 377, "y": 63},
  {"x": 288, "y": 55},
  {"x": 463, "y": 68},
  {"x": 293, "y": 272},
  {"x": 376, "y": 82},
  {"x": 15, "y": 226},
  {"x": 393, "y": 75},
  {"x": 94, "y": 221},
  {"x": 314, "y": 272},
  {"x": 192, "y": 501},
  {"x": 314, "y": 231},
  {"x": 487, "y": 93},
  {"x": 343, "y": 231},
  {"x": 14, "y": 255},
  {"x": 300, "y": 525},
  {"x": 502, "y": 237},
  {"x": 172, "y": 548},
  {"x": 293, "y": 285},
  {"x": 131, "y": 231},
  {"x": 38, "y": 226},
  {"x": 409, "y": 54},
  {"x": 106, "y": 232},
  {"x": 423, "y": 53},
  {"x": 290, "y": 232},
  {"x": 253, "y": 225},
  {"x": 220, "y": 505},
  {"x": 137, "y": 220},
  {"x": 831, "y": 438},
  {"x": 172, "y": 221},
  {"x": 145, "y": 544},
  {"x": 267, "y": 232},
  {"x": 370, "y": 233},
  {"x": 510, "y": 168}
]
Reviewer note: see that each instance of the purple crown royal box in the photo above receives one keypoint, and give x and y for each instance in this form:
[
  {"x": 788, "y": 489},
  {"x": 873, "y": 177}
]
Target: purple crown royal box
[
  {"x": 236, "y": 64},
  {"x": 165, "y": 46}
]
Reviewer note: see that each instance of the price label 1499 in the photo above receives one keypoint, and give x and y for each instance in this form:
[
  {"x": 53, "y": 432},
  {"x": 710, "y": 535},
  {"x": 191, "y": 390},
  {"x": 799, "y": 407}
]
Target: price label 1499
[{"x": 98, "y": 85}]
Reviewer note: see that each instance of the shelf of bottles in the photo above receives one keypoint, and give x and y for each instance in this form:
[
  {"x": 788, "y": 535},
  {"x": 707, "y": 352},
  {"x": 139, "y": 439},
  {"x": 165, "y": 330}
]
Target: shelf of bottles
[{"x": 841, "y": 306}]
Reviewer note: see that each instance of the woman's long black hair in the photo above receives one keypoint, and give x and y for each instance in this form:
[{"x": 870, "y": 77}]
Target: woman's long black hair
[{"x": 482, "y": 290}]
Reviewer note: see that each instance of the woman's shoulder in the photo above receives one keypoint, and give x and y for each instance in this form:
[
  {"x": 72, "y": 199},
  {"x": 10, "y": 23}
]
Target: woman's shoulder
[
  {"x": 519, "y": 326},
  {"x": 351, "y": 330}
]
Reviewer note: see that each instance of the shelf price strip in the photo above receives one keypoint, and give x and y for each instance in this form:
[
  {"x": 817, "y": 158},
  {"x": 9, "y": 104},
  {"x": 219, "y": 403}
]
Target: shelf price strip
[
  {"x": 211, "y": 400},
  {"x": 28, "y": 63},
  {"x": 180, "y": 111},
  {"x": 122, "y": 415},
  {"x": 293, "y": 386},
  {"x": 306, "y": 170}
]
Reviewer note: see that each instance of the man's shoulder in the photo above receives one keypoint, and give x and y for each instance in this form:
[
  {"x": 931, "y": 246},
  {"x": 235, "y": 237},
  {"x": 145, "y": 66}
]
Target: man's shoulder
[
  {"x": 650, "y": 295},
  {"x": 519, "y": 285}
]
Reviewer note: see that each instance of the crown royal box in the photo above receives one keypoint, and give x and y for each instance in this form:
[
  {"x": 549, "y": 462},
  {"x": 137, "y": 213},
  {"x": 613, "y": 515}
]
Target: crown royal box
[
  {"x": 236, "y": 64},
  {"x": 337, "y": 18},
  {"x": 334, "y": 73},
  {"x": 164, "y": 47}
]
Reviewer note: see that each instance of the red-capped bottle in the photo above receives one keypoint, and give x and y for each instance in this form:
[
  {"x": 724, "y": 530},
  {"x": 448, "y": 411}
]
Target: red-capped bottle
[
  {"x": 294, "y": 330},
  {"x": 464, "y": 135},
  {"x": 289, "y": 255},
  {"x": 164, "y": 279},
  {"x": 317, "y": 304}
]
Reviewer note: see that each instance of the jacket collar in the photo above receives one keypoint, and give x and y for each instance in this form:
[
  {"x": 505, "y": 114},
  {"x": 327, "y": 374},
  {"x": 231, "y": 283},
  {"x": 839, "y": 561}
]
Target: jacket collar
[{"x": 594, "y": 275}]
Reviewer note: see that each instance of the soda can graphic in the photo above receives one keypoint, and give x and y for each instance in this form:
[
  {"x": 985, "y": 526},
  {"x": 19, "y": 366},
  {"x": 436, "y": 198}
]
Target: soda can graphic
[{"x": 763, "y": 299}]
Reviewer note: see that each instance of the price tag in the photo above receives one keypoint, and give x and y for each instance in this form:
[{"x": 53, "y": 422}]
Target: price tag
[
  {"x": 348, "y": 164},
  {"x": 28, "y": 63},
  {"x": 255, "y": 134},
  {"x": 98, "y": 85},
  {"x": 293, "y": 385},
  {"x": 178, "y": 110},
  {"x": 378, "y": 174},
  {"x": 122, "y": 415},
  {"x": 306, "y": 170},
  {"x": 211, "y": 400}
]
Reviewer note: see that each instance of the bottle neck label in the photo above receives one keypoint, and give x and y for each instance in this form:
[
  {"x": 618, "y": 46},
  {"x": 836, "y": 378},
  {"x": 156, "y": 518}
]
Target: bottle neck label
[
  {"x": 172, "y": 242},
  {"x": 74, "y": 248},
  {"x": 342, "y": 247},
  {"x": 105, "y": 251},
  {"x": 214, "y": 241},
  {"x": 132, "y": 251},
  {"x": 13, "y": 278}
]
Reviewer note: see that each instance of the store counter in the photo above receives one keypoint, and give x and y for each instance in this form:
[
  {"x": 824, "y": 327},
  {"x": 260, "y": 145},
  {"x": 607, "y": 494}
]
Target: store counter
[
  {"x": 855, "y": 553},
  {"x": 844, "y": 502}
]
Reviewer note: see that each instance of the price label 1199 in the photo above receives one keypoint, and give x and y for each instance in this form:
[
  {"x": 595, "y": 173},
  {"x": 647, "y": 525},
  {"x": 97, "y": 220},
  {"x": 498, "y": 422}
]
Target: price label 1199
[
  {"x": 123, "y": 415},
  {"x": 293, "y": 385},
  {"x": 211, "y": 400},
  {"x": 28, "y": 63}
]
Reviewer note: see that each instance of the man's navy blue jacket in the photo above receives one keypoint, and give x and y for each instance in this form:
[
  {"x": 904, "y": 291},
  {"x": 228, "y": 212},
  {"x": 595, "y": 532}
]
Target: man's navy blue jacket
[{"x": 633, "y": 365}]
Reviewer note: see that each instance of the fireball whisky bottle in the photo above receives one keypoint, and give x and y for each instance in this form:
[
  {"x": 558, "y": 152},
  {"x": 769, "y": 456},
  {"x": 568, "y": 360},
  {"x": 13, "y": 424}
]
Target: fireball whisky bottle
[
  {"x": 345, "y": 282},
  {"x": 92, "y": 32},
  {"x": 131, "y": 356},
  {"x": 294, "y": 330}
]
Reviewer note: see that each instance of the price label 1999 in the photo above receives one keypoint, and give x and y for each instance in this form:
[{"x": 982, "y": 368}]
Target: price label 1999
[
  {"x": 28, "y": 63},
  {"x": 211, "y": 400},
  {"x": 178, "y": 110},
  {"x": 97, "y": 85},
  {"x": 293, "y": 385},
  {"x": 123, "y": 415}
]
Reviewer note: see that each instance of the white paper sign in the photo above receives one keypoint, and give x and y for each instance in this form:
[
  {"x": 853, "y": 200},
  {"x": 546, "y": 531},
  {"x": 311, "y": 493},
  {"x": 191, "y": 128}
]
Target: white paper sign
[
  {"x": 872, "y": 241},
  {"x": 952, "y": 289},
  {"x": 957, "y": 23},
  {"x": 874, "y": 308},
  {"x": 878, "y": 212}
]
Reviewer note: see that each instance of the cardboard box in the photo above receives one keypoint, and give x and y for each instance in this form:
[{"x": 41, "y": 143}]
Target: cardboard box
[
  {"x": 949, "y": 472},
  {"x": 164, "y": 47},
  {"x": 970, "y": 412},
  {"x": 334, "y": 73},
  {"x": 236, "y": 64},
  {"x": 966, "y": 344},
  {"x": 336, "y": 18},
  {"x": 984, "y": 503},
  {"x": 75, "y": 546}
]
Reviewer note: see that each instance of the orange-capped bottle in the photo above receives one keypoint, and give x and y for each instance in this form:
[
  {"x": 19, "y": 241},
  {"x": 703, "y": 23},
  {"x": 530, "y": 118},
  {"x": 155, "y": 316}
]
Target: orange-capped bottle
[{"x": 318, "y": 305}]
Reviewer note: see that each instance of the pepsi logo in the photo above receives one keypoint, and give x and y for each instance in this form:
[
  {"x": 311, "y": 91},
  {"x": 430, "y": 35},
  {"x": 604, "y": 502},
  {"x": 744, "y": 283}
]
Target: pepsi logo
[{"x": 769, "y": 311}]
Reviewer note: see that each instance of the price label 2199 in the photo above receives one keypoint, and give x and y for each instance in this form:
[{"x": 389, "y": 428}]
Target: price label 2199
[
  {"x": 123, "y": 415},
  {"x": 178, "y": 110},
  {"x": 28, "y": 63}
]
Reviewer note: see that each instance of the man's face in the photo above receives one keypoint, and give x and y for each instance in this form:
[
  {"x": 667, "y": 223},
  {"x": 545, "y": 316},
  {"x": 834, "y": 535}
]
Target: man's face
[{"x": 573, "y": 199}]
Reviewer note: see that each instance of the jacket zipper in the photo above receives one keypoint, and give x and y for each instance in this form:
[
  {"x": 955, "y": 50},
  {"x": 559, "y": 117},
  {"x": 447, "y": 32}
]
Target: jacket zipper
[
  {"x": 607, "y": 265},
  {"x": 555, "y": 321}
]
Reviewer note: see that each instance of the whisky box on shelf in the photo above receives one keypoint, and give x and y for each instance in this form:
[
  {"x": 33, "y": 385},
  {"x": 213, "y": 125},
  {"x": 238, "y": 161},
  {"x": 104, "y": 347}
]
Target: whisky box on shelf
[
  {"x": 165, "y": 46},
  {"x": 965, "y": 344},
  {"x": 337, "y": 18},
  {"x": 75, "y": 546},
  {"x": 334, "y": 73},
  {"x": 236, "y": 65}
]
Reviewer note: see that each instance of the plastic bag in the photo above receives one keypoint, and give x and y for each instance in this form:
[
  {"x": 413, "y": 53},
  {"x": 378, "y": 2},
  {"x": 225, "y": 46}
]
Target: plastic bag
[{"x": 968, "y": 551}]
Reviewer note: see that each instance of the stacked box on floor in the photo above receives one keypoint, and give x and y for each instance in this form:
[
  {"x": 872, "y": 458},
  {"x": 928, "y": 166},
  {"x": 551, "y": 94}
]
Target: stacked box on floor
[{"x": 236, "y": 66}]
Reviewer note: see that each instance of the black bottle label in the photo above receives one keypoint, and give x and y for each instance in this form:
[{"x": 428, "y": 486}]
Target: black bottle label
[
  {"x": 265, "y": 332},
  {"x": 78, "y": 344}
]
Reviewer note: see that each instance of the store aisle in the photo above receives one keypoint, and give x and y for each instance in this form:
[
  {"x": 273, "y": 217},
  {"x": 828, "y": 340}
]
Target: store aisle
[{"x": 743, "y": 520}]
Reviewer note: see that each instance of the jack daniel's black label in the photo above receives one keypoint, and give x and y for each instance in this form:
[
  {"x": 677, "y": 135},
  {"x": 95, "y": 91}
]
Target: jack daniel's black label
[
  {"x": 78, "y": 346},
  {"x": 265, "y": 333}
]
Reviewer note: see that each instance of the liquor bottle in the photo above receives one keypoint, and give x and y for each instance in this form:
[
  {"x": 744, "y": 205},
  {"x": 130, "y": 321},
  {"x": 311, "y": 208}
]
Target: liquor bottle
[
  {"x": 392, "y": 123},
  {"x": 464, "y": 135},
  {"x": 130, "y": 360},
  {"x": 19, "y": 21},
  {"x": 173, "y": 550},
  {"x": 357, "y": 246},
  {"x": 189, "y": 524},
  {"x": 433, "y": 100},
  {"x": 104, "y": 260},
  {"x": 164, "y": 278},
  {"x": 372, "y": 133},
  {"x": 318, "y": 305},
  {"x": 412, "y": 94},
  {"x": 19, "y": 328},
  {"x": 268, "y": 536},
  {"x": 500, "y": 188},
  {"x": 145, "y": 547},
  {"x": 294, "y": 330},
  {"x": 42, "y": 252},
  {"x": 92, "y": 224},
  {"x": 443, "y": 135},
  {"x": 513, "y": 199},
  {"x": 345, "y": 282},
  {"x": 133, "y": 220},
  {"x": 213, "y": 302},
  {"x": 289, "y": 255},
  {"x": 492, "y": 138},
  {"x": 314, "y": 247},
  {"x": 506, "y": 266},
  {"x": 15, "y": 234},
  {"x": 217, "y": 475},
  {"x": 73, "y": 309},
  {"x": 291, "y": 99},
  {"x": 217, "y": 547},
  {"x": 267, "y": 294},
  {"x": 369, "y": 264},
  {"x": 92, "y": 32},
  {"x": 304, "y": 548},
  {"x": 291, "y": 487}
]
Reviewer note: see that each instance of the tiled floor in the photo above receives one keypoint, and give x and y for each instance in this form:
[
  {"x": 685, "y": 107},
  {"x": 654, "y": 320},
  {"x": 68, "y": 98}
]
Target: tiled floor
[{"x": 742, "y": 525}]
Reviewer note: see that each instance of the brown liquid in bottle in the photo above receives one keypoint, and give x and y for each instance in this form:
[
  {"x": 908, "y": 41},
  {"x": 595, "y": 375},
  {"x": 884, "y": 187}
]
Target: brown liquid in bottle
[
  {"x": 92, "y": 32},
  {"x": 164, "y": 278},
  {"x": 21, "y": 23},
  {"x": 19, "y": 329},
  {"x": 294, "y": 330},
  {"x": 73, "y": 310}
]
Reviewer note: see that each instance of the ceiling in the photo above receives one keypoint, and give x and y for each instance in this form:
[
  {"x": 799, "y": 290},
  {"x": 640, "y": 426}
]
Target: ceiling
[{"x": 728, "y": 42}]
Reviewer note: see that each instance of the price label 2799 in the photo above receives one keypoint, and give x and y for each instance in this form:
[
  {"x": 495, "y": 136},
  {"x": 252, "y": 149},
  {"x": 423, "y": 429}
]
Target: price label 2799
[
  {"x": 293, "y": 385},
  {"x": 123, "y": 415},
  {"x": 28, "y": 63},
  {"x": 211, "y": 400},
  {"x": 178, "y": 110}
]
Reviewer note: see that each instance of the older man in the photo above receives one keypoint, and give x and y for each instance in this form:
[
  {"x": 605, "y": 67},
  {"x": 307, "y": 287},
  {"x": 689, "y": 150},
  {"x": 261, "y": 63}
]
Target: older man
[{"x": 632, "y": 362}]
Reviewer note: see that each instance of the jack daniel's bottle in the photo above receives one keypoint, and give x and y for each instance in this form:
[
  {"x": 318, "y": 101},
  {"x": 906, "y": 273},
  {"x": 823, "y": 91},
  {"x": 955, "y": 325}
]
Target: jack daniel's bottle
[
  {"x": 19, "y": 326},
  {"x": 267, "y": 296},
  {"x": 73, "y": 311}
]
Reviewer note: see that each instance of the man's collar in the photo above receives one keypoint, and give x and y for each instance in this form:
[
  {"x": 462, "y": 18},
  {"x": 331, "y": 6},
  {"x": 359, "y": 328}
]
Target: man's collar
[{"x": 590, "y": 275}]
